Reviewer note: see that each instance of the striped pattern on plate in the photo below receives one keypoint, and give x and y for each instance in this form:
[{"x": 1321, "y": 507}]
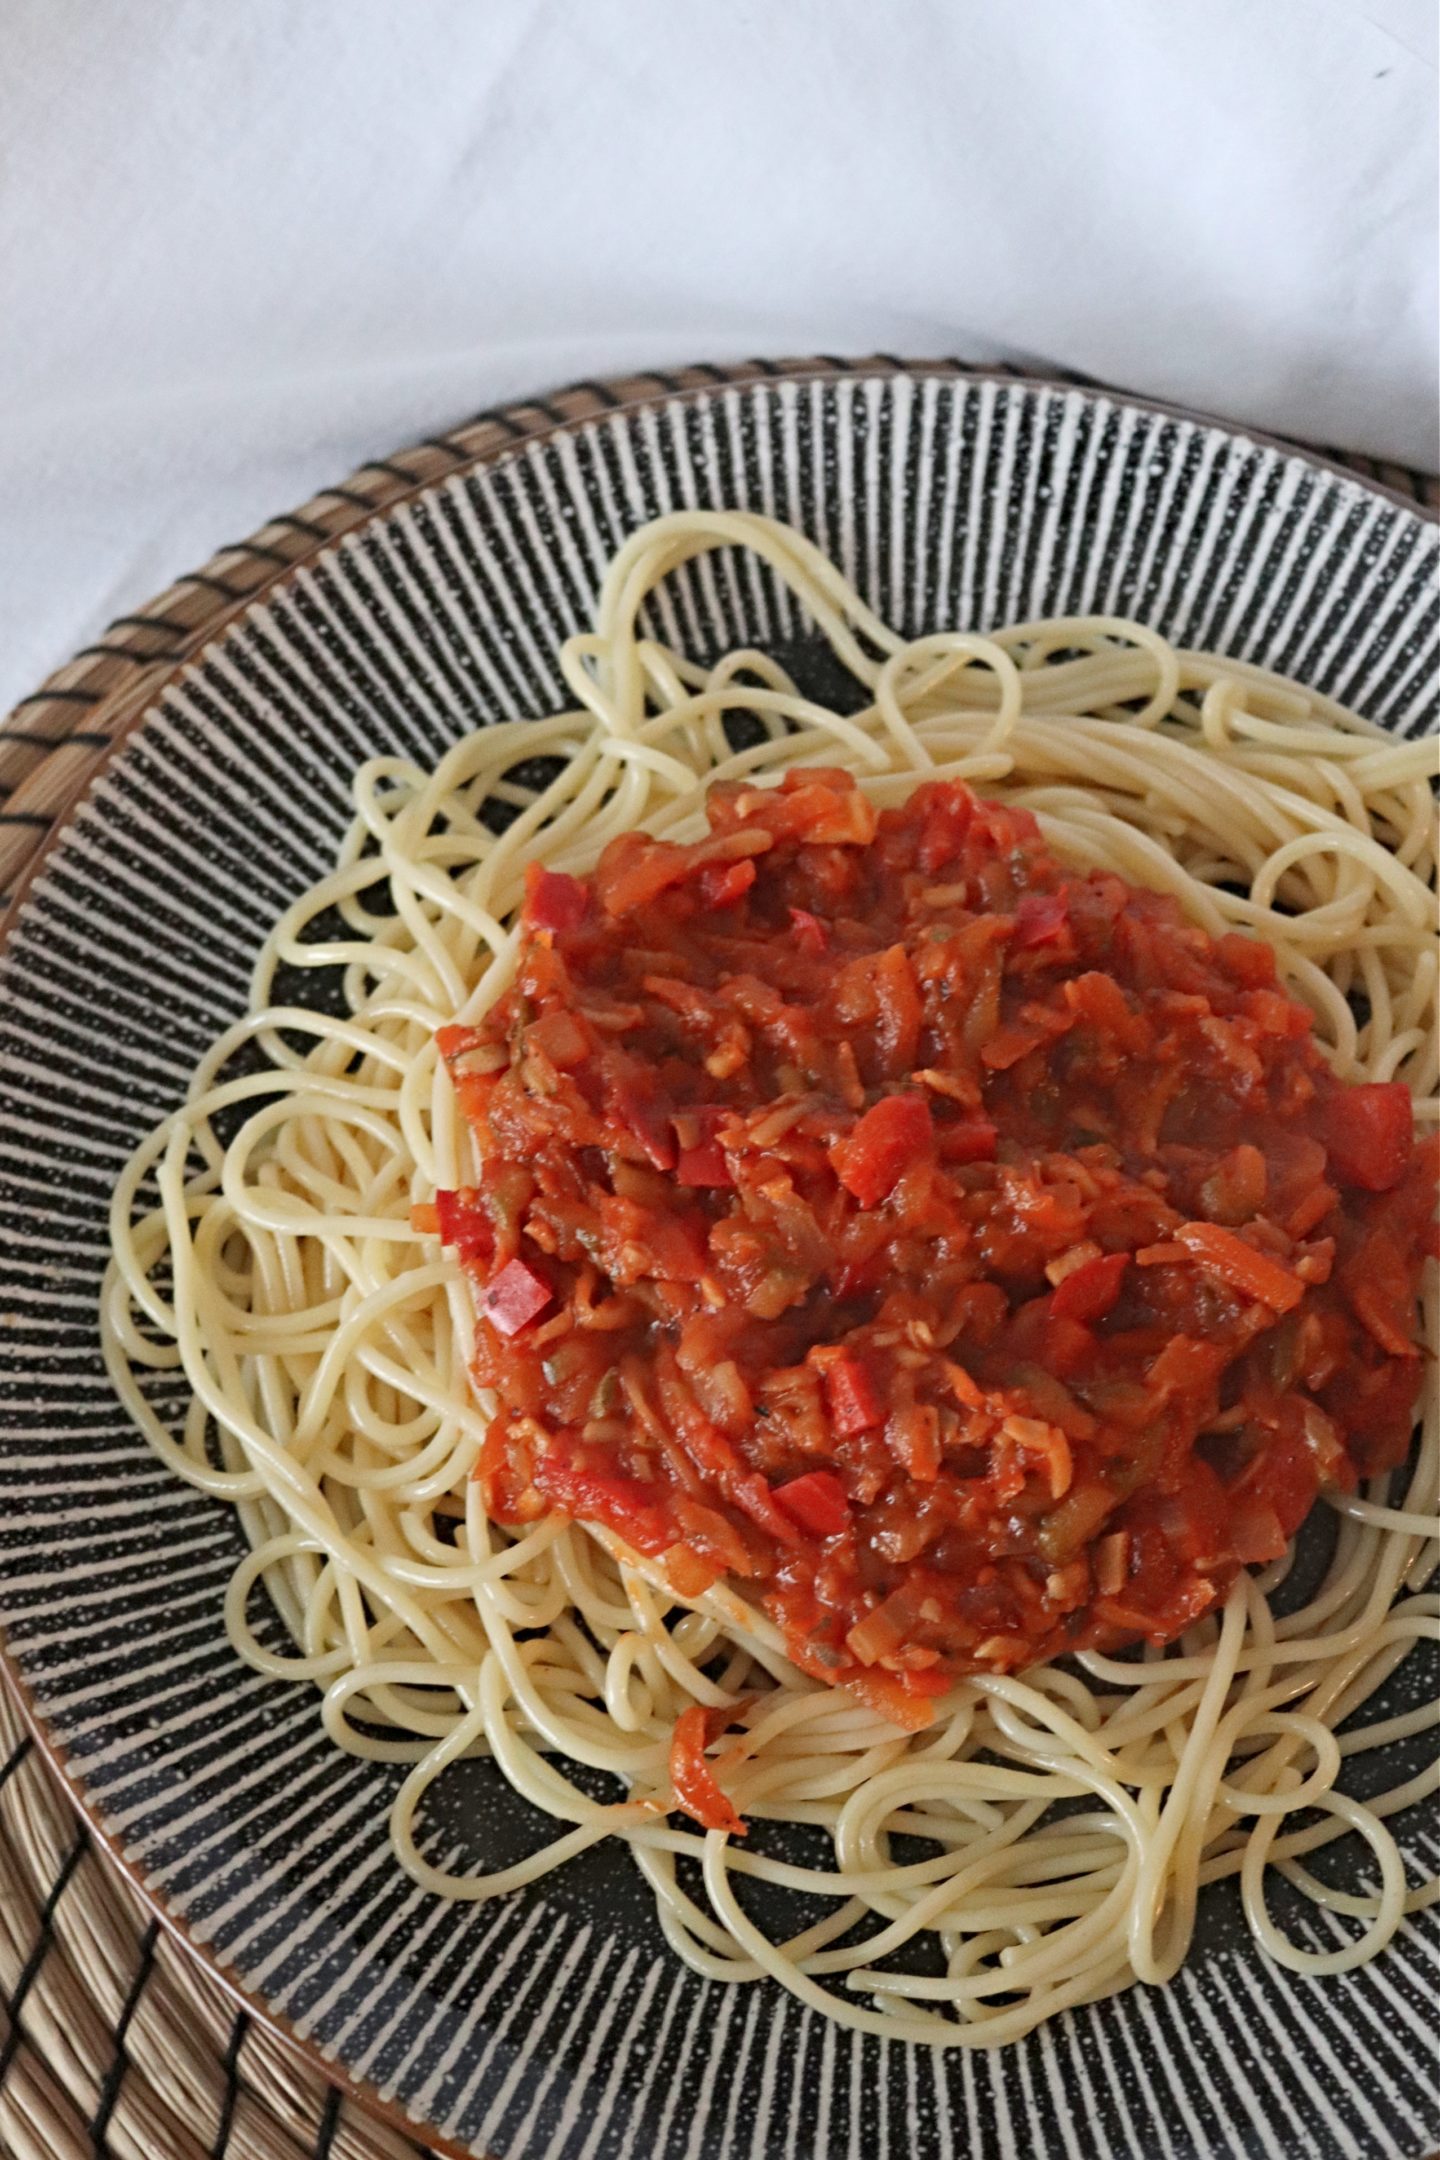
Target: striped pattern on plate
[{"x": 556, "y": 2023}]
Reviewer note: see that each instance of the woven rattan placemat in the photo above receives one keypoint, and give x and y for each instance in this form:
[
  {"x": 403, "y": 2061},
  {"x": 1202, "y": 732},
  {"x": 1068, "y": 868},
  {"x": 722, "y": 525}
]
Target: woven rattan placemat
[{"x": 113, "y": 2039}]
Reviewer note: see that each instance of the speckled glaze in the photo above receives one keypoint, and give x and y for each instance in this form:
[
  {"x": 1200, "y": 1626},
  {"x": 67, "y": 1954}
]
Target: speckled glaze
[{"x": 555, "y": 2023}]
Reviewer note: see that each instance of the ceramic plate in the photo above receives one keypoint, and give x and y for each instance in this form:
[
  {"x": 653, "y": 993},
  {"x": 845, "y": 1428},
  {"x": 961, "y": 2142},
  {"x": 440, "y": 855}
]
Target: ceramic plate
[{"x": 555, "y": 2023}]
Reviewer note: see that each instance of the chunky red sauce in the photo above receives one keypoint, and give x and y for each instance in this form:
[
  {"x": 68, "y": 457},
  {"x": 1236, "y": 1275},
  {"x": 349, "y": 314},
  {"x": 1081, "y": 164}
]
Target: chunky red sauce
[{"x": 964, "y": 1254}]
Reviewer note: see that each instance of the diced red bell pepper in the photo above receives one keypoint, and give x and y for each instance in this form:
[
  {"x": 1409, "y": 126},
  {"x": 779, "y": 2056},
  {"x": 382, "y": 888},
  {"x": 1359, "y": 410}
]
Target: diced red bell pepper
[
  {"x": 1090, "y": 1291},
  {"x": 808, "y": 930},
  {"x": 1249, "y": 959},
  {"x": 451, "y": 1040},
  {"x": 884, "y": 1142},
  {"x": 623, "y": 1504},
  {"x": 462, "y": 1222},
  {"x": 1040, "y": 918},
  {"x": 698, "y": 1793},
  {"x": 1068, "y": 1346},
  {"x": 649, "y": 1124},
  {"x": 722, "y": 884},
  {"x": 1369, "y": 1130},
  {"x": 553, "y": 899},
  {"x": 817, "y": 1502},
  {"x": 947, "y": 809},
  {"x": 852, "y": 1397},
  {"x": 973, "y": 1141},
  {"x": 703, "y": 1165},
  {"x": 514, "y": 1297}
]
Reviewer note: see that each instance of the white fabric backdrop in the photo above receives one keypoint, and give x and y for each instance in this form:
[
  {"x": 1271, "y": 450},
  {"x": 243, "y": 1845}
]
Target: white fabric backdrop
[{"x": 244, "y": 246}]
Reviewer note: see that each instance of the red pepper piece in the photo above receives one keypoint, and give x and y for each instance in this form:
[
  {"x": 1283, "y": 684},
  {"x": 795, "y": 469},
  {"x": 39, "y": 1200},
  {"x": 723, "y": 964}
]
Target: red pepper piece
[
  {"x": 1090, "y": 1291},
  {"x": 1040, "y": 918},
  {"x": 514, "y": 1297},
  {"x": 725, "y": 883},
  {"x": 946, "y": 809},
  {"x": 650, "y": 1125},
  {"x": 817, "y": 1502},
  {"x": 553, "y": 899},
  {"x": 852, "y": 1397},
  {"x": 886, "y": 1140},
  {"x": 1369, "y": 1130},
  {"x": 809, "y": 931},
  {"x": 622, "y": 1504},
  {"x": 703, "y": 1165},
  {"x": 697, "y": 1791},
  {"x": 1068, "y": 1346},
  {"x": 974, "y": 1141},
  {"x": 462, "y": 1222},
  {"x": 1248, "y": 959}
]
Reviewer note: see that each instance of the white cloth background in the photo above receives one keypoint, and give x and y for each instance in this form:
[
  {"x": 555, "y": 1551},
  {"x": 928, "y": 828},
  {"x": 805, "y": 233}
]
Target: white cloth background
[{"x": 244, "y": 246}]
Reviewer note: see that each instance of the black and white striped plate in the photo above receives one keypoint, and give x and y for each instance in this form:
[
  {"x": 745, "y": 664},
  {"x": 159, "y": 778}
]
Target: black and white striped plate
[{"x": 555, "y": 2023}]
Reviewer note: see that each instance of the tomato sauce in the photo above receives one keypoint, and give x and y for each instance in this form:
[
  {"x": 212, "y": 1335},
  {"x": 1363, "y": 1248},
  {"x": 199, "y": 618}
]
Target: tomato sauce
[{"x": 963, "y": 1254}]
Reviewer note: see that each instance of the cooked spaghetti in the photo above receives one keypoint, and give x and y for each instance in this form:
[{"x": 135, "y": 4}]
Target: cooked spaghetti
[{"x": 790, "y": 1399}]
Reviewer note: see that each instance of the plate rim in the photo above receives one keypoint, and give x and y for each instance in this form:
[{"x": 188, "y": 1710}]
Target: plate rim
[
  {"x": 292, "y": 540},
  {"x": 319, "y": 524}
]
